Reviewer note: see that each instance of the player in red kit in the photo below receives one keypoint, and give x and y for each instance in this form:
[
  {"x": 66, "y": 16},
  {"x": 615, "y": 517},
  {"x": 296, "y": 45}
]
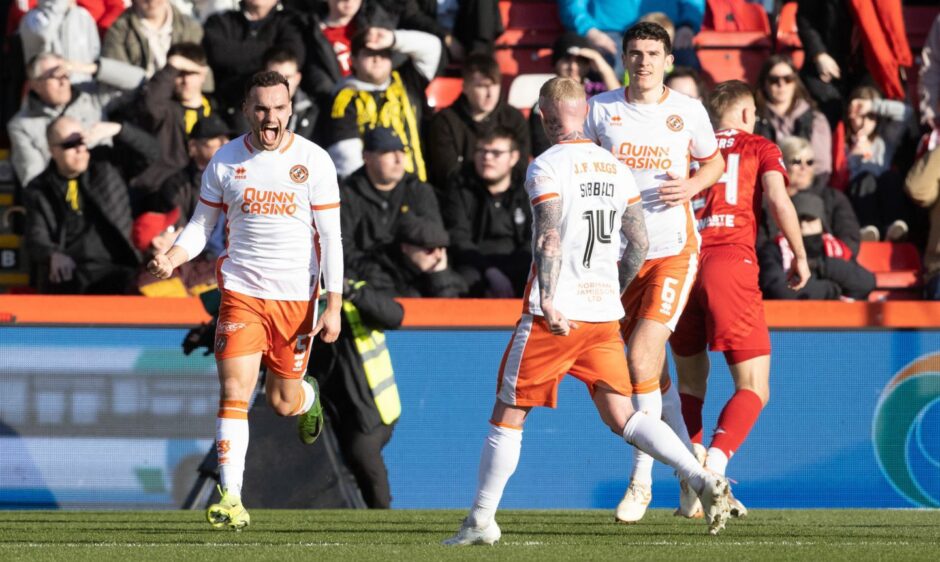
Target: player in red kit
[{"x": 725, "y": 311}]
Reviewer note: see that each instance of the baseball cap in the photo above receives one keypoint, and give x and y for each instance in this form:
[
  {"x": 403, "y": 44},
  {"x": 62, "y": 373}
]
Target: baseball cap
[
  {"x": 209, "y": 128},
  {"x": 381, "y": 139},
  {"x": 565, "y": 42},
  {"x": 809, "y": 205},
  {"x": 150, "y": 225},
  {"x": 422, "y": 232}
]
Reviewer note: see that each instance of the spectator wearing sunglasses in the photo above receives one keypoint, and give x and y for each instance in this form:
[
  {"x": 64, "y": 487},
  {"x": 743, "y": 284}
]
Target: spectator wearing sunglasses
[
  {"x": 51, "y": 94},
  {"x": 838, "y": 215},
  {"x": 784, "y": 109},
  {"x": 78, "y": 219}
]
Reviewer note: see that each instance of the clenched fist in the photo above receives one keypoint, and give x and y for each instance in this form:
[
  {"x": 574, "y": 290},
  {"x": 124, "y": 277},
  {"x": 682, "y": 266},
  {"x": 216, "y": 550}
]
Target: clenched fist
[{"x": 160, "y": 266}]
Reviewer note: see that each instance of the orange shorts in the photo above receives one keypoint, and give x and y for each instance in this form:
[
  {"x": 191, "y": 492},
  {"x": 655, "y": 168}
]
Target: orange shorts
[
  {"x": 279, "y": 329},
  {"x": 660, "y": 291},
  {"x": 535, "y": 361}
]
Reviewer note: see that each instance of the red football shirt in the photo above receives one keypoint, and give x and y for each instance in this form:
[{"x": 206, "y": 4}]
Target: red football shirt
[
  {"x": 340, "y": 39},
  {"x": 727, "y": 212}
]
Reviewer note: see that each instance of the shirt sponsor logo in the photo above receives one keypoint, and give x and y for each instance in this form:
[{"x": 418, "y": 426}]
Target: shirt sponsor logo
[
  {"x": 675, "y": 123},
  {"x": 298, "y": 174},
  {"x": 264, "y": 202},
  {"x": 644, "y": 157}
]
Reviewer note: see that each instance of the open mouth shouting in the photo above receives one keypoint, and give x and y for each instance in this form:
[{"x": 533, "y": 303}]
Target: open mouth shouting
[{"x": 270, "y": 135}]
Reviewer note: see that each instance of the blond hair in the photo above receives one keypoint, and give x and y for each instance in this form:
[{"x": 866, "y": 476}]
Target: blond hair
[
  {"x": 663, "y": 20},
  {"x": 560, "y": 89},
  {"x": 791, "y": 146}
]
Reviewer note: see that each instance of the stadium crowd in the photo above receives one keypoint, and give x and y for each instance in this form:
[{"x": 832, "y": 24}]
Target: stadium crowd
[{"x": 112, "y": 113}]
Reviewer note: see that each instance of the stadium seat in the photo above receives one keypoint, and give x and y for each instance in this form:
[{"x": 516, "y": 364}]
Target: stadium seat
[
  {"x": 529, "y": 24},
  {"x": 788, "y": 39},
  {"x": 524, "y": 91},
  {"x": 917, "y": 22},
  {"x": 896, "y": 265},
  {"x": 443, "y": 91},
  {"x": 732, "y": 55},
  {"x": 735, "y": 15},
  {"x": 523, "y": 60}
]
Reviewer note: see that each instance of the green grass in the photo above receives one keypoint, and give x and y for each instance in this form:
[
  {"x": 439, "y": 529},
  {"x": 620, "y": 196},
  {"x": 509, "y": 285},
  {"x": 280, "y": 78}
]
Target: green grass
[{"x": 415, "y": 535}]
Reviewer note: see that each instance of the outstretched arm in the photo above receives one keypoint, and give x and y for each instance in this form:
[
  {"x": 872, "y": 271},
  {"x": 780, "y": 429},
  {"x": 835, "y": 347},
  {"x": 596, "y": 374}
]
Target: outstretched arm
[{"x": 633, "y": 228}]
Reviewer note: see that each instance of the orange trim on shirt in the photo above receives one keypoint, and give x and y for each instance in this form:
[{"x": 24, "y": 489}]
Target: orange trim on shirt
[
  {"x": 325, "y": 207},
  {"x": 634, "y": 200},
  {"x": 248, "y": 143},
  {"x": 662, "y": 98},
  {"x": 544, "y": 197},
  {"x": 576, "y": 141},
  {"x": 210, "y": 203},
  {"x": 707, "y": 157},
  {"x": 290, "y": 142}
]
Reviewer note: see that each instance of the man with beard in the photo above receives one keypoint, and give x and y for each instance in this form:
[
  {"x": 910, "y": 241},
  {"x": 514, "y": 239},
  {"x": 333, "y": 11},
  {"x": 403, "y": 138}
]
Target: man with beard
[{"x": 280, "y": 196}]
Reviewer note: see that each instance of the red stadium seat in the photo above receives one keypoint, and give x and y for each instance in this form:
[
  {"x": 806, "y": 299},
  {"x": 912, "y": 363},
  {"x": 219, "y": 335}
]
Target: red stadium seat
[
  {"x": 896, "y": 265},
  {"x": 523, "y": 60},
  {"x": 735, "y": 15},
  {"x": 917, "y": 22},
  {"x": 732, "y": 55},
  {"x": 529, "y": 24},
  {"x": 788, "y": 38},
  {"x": 443, "y": 91}
]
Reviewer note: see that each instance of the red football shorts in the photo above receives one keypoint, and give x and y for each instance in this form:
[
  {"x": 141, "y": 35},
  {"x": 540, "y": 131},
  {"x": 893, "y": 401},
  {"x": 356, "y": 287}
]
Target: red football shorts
[
  {"x": 280, "y": 330},
  {"x": 725, "y": 310},
  {"x": 535, "y": 361}
]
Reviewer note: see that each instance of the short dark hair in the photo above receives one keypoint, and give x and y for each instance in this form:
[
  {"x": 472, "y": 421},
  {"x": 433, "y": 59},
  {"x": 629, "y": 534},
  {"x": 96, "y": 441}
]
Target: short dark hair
[
  {"x": 499, "y": 132},
  {"x": 279, "y": 55},
  {"x": 483, "y": 63},
  {"x": 191, "y": 51},
  {"x": 358, "y": 42},
  {"x": 688, "y": 72},
  {"x": 648, "y": 30},
  {"x": 725, "y": 95},
  {"x": 265, "y": 79}
]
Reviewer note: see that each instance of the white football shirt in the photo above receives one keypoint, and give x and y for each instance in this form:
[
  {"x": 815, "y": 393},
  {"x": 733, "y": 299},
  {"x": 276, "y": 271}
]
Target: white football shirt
[
  {"x": 594, "y": 189},
  {"x": 651, "y": 140},
  {"x": 271, "y": 200}
]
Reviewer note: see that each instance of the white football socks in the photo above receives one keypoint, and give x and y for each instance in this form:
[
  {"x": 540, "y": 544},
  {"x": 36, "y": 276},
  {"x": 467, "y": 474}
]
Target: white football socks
[
  {"x": 650, "y": 403},
  {"x": 231, "y": 437},
  {"x": 716, "y": 461},
  {"x": 654, "y": 437},
  {"x": 309, "y": 395},
  {"x": 498, "y": 461},
  {"x": 672, "y": 415}
]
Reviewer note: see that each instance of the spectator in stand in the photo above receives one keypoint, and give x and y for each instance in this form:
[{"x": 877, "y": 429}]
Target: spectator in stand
[
  {"x": 235, "y": 44},
  {"x": 144, "y": 33},
  {"x": 173, "y": 103},
  {"x": 377, "y": 196},
  {"x": 839, "y": 217},
  {"x": 376, "y": 95},
  {"x": 929, "y": 85},
  {"x": 103, "y": 12},
  {"x": 489, "y": 218},
  {"x": 923, "y": 186},
  {"x": 63, "y": 28},
  {"x": 480, "y": 23},
  {"x": 453, "y": 132},
  {"x": 78, "y": 220},
  {"x": 155, "y": 232},
  {"x": 573, "y": 57},
  {"x": 784, "y": 109},
  {"x": 604, "y": 22},
  {"x": 51, "y": 94},
  {"x": 304, "y": 111},
  {"x": 686, "y": 81},
  {"x": 848, "y": 47},
  {"x": 834, "y": 275},
  {"x": 874, "y": 129}
]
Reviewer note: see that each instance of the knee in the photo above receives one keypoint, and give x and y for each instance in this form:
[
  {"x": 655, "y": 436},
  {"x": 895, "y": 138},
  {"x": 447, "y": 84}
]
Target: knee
[
  {"x": 280, "y": 406},
  {"x": 234, "y": 389}
]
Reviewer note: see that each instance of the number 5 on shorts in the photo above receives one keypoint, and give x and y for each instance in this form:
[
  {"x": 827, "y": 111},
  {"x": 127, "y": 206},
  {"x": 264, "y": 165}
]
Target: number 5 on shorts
[{"x": 668, "y": 295}]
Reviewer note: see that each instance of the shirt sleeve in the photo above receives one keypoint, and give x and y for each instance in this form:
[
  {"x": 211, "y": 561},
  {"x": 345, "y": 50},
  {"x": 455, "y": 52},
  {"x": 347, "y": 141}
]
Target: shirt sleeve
[
  {"x": 540, "y": 184},
  {"x": 210, "y": 192},
  {"x": 704, "y": 144},
  {"x": 771, "y": 160},
  {"x": 324, "y": 205}
]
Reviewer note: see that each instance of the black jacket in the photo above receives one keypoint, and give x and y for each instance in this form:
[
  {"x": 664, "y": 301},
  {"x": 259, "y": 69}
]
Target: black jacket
[
  {"x": 234, "y": 50},
  {"x": 452, "y": 136},
  {"x": 393, "y": 269},
  {"x": 831, "y": 278},
  {"x": 470, "y": 212},
  {"x": 370, "y": 221},
  {"x": 44, "y": 198}
]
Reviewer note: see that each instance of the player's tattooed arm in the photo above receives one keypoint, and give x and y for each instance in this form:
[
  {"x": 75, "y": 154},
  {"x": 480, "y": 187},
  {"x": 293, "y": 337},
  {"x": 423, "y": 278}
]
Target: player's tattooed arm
[
  {"x": 633, "y": 227},
  {"x": 547, "y": 218}
]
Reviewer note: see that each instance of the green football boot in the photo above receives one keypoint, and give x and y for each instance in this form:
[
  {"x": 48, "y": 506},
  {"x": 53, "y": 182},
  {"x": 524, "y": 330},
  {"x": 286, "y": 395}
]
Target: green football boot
[
  {"x": 229, "y": 512},
  {"x": 310, "y": 423}
]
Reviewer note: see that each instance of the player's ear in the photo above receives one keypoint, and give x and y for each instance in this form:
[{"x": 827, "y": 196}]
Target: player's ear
[{"x": 670, "y": 60}]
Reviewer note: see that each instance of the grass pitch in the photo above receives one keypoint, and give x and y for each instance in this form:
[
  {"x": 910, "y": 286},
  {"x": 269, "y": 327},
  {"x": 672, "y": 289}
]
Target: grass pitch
[{"x": 415, "y": 535}]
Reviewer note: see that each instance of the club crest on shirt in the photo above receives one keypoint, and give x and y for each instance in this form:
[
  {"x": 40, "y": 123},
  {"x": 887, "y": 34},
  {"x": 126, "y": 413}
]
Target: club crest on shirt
[
  {"x": 675, "y": 123},
  {"x": 298, "y": 174}
]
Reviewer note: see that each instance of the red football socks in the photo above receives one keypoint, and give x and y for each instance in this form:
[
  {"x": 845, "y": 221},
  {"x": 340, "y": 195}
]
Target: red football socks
[
  {"x": 692, "y": 414},
  {"x": 735, "y": 421}
]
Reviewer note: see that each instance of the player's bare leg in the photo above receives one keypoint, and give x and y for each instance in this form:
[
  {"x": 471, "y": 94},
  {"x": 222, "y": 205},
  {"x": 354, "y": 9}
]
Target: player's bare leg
[
  {"x": 297, "y": 397},
  {"x": 237, "y": 379},
  {"x": 498, "y": 461},
  {"x": 646, "y": 354},
  {"x": 752, "y": 391},
  {"x": 692, "y": 374},
  {"x": 654, "y": 437}
]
